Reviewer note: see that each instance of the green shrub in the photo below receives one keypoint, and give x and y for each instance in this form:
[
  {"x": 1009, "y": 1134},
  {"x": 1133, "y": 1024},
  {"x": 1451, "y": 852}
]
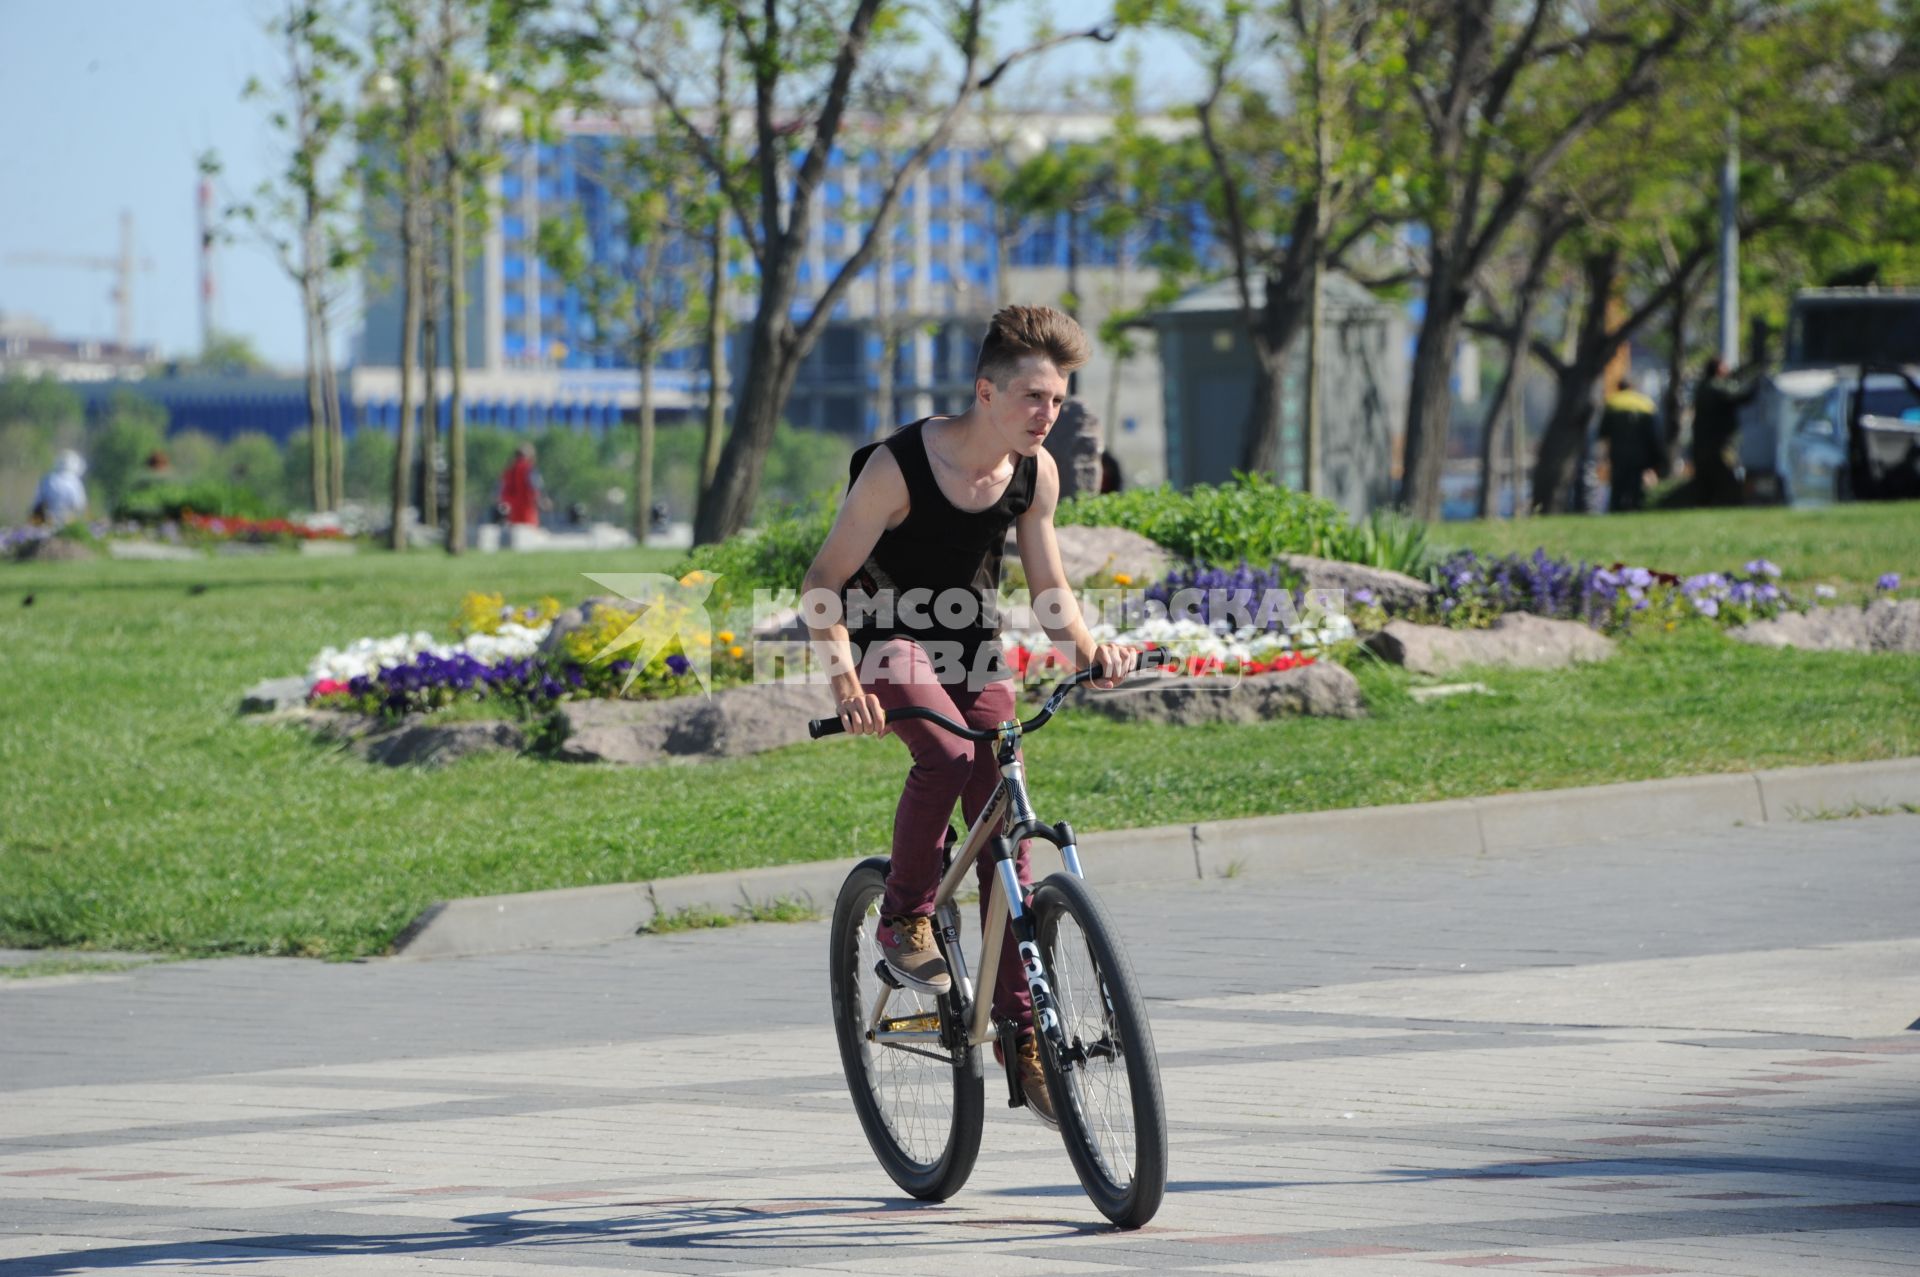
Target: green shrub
[
  {"x": 118, "y": 449},
  {"x": 168, "y": 498},
  {"x": 1384, "y": 539},
  {"x": 773, "y": 556},
  {"x": 368, "y": 473},
  {"x": 1251, "y": 518}
]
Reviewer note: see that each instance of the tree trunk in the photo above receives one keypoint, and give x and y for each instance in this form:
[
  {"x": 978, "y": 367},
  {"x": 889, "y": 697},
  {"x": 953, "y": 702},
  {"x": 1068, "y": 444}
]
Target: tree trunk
[
  {"x": 643, "y": 448},
  {"x": 1280, "y": 321},
  {"x": 1557, "y": 472},
  {"x": 1266, "y": 412},
  {"x": 457, "y": 361},
  {"x": 336, "y": 433},
  {"x": 1676, "y": 373},
  {"x": 409, "y": 349},
  {"x": 430, "y": 386},
  {"x": 317, "y": 437},
  {"x": 717, "y": 303},
  {"x": 890, "y": 337},
  {"x": 1501, "y": 416},
  {"x": 1430, "y": 393},
  {"x": 772, "y": 364}
]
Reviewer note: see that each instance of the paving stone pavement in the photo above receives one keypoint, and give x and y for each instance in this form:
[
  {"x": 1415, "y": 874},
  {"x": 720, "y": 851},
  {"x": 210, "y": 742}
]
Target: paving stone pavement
[{"x": 1682, "y": 1055}]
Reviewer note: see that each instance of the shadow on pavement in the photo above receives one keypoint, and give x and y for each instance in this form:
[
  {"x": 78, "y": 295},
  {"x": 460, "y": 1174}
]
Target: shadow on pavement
[{"x": 829, "y": 1224}]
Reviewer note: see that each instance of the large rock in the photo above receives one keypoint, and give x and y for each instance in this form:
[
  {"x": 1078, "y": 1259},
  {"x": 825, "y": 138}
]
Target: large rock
[
  {"x": 432, "y": 744},
  {"x": 272, "y": 694},
  {"x": 1519, "y": 640},
  {"x": 1886, "y": 625},
  {"x": 727, "y": 724},
  {"x": 421, "y": 741},
  {"x": 1320, "y": 690},
  {"x": 1395, "y": 591},
  {"x": 1085, "y": 551},
  {"x": 53, "y": 550}
]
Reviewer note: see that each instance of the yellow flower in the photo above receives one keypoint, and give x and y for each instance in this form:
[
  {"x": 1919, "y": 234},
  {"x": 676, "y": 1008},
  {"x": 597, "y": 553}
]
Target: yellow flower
[
  {"x": 725, "y": 636},
  {"x": 1122, "y": 578},
  {"x": 736, "y": 652},
  {"x": 480, "y": 613},
  {"x": 693, "y": 578}
]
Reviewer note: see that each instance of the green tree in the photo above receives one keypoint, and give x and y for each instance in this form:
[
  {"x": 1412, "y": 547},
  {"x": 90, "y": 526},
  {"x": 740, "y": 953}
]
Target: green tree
[
  {"x": 646, "y": 300},
  {"x": 132, "y": 430},
  {"x": 1815, "y": 87},
  {"x": 810, "y": 66},
  {"x": 226, "y": 354},
  {"x": 369, "y": 467},
  {"x": 307, "y": 213},
  {"x": 1502, "y": 93},
  {"x": 1306, "y": 153}
]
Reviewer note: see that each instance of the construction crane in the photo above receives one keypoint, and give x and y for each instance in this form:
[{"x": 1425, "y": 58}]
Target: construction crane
[{"x": 123, "y": 267}]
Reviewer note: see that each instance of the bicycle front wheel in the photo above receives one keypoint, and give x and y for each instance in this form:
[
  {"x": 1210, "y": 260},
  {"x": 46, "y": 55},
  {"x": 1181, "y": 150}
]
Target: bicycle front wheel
[
  {"x": 1106, "y": 1089},
  {"x": 918, "y": 1091}
]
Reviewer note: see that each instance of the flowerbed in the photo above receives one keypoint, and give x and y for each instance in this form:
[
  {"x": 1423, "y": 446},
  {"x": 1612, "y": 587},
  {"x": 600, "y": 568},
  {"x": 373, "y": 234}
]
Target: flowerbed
[
  {"x": 209, "y": 527},
  {"x": 508, "y": 654},
  {"x": 1473, "y": 590},
  {"x": 502, "y": 653}
]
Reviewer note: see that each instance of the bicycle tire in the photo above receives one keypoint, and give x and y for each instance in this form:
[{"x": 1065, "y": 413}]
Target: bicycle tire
[
  {"x": 1114, "y": 1127},
  {"x": 923, "y": 1116}
]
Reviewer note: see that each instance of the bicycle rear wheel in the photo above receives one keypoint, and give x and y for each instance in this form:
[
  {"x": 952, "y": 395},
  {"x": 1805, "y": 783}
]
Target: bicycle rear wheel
[
  {"x": 921, "y": 1103},
  {"x": 1106, "y": 1091}
]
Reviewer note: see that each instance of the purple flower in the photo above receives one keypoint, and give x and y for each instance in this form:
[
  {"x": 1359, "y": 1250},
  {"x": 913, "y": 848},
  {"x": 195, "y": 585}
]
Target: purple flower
[
  {"x": 1889, "y": 582},
  {"x": 1363, "y": 596},
  {"x": 678, "y": 664},
  {"x": 1760, "y": 567},
  {"x": 1638, "y": 578},
  {"x": 1706, "y": 606}
]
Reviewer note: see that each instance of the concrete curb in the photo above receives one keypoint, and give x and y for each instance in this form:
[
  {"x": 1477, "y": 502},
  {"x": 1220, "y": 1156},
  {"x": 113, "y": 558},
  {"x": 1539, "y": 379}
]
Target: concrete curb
[{"x": 1211, "y": 849}]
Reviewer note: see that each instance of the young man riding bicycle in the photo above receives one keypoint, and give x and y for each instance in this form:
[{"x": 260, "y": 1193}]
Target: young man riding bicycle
[{"x": 900, "y": 602}]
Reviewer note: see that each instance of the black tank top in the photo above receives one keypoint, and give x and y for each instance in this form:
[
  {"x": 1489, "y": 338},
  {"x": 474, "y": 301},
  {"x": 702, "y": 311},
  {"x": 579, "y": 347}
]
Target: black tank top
[{"x": 936, "y": 577}]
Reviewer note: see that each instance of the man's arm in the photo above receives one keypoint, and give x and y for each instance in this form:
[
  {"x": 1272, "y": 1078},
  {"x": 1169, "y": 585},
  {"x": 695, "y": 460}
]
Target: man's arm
[
  {"x": 877, "y": 500},
  {"x": 1053, "y": 599}
]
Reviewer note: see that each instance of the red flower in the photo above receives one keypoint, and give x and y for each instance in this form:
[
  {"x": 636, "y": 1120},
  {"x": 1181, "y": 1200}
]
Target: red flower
[{"x": 327, "y": 687}]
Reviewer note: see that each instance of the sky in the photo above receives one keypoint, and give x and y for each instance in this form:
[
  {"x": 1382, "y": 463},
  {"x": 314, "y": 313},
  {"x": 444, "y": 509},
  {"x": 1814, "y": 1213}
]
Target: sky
[{"x": 109, "y": 104}]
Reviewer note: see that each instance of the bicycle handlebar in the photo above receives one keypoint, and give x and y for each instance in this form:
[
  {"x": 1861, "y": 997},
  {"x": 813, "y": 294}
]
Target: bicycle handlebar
[{"x": 1151, "y": 658}]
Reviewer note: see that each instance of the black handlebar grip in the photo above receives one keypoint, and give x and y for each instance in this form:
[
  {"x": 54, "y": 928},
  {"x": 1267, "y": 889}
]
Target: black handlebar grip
[{"x": 825, "y": 727}]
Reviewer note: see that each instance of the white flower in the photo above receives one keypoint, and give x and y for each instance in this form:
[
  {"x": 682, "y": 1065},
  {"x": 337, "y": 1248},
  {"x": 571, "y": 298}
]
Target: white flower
[{"x": 368, "y": 656}]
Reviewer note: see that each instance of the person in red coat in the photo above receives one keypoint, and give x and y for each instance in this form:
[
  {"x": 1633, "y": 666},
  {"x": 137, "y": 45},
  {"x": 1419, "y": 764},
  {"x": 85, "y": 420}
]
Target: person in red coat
[{"x": 522, "y": 496}]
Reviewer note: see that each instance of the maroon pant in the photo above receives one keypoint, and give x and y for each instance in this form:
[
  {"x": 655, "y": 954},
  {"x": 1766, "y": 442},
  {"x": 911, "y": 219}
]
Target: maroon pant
[{"x": 945, "y": 768}]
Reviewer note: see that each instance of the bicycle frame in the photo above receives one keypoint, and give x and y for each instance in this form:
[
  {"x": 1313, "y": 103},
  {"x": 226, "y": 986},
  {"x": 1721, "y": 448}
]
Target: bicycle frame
[{"x": 1005, "y": 821}]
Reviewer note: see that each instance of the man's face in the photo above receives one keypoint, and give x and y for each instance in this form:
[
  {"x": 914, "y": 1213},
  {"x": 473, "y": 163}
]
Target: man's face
[{"x": 1024, "y": 410}]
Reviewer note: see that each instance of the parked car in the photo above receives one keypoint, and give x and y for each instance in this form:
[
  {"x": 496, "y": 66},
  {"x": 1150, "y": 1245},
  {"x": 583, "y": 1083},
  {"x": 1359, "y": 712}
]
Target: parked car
[{"x": 1813, "y": 436}]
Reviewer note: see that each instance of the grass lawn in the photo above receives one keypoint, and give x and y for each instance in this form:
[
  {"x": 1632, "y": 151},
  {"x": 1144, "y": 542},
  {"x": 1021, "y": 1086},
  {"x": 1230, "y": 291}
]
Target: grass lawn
[
  {"x": 138, "y": 812},
  {"x": 1843, "y": 545}
]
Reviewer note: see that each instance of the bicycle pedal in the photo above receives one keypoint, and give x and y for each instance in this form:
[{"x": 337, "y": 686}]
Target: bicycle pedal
[{"x": 887, "y": 977}]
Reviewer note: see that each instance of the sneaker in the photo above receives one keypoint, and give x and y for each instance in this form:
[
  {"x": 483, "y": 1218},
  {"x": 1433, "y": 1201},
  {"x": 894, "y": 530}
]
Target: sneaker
[
  {"x": 1033, "y": 1077},
  {"x": 907, "y": 945}
]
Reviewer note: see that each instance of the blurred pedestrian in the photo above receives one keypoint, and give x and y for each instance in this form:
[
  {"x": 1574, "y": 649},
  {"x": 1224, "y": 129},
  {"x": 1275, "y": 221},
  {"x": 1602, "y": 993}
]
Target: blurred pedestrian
[
  {"x": 522, "y": 495},
  {"x": 1717, "y": 398},
  {"x": 62, "y": 496},
  {"x": 1635, "y": 449}
]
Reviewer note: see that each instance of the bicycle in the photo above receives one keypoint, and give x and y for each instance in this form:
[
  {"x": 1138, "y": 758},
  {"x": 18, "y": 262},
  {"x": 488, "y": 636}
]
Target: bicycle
[{"x": 913, "y": 1060}]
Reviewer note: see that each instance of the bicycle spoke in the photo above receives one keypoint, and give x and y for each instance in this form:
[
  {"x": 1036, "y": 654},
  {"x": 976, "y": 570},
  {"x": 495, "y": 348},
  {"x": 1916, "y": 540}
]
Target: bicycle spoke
[
  {"x": 1098, "y": 1083},
  {"x": 913, "y": 1086}
]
